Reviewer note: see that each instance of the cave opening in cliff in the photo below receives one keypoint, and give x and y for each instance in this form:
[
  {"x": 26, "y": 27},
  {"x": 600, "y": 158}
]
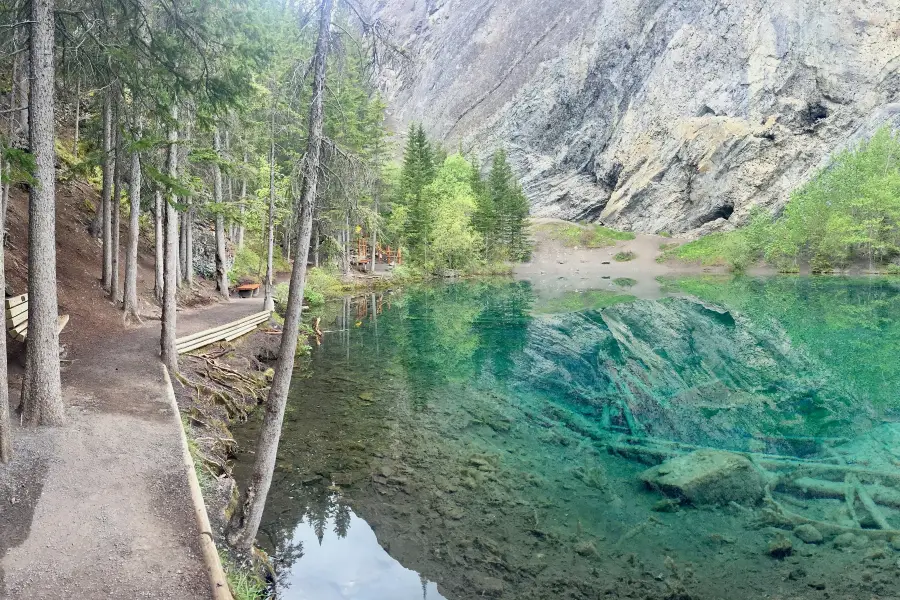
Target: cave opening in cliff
[
  {"x": 720, "y": 212},
  {"x": 814, "y": 113}
]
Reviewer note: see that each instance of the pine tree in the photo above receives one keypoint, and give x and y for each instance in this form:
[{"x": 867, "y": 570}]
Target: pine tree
[{"x": 418, "y": 172}]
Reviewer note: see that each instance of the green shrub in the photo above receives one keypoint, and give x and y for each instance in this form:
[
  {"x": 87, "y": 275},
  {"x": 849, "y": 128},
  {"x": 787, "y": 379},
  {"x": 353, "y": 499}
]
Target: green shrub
[
  {"x": 625, "y": 256},
  {"x": 626, "y": 282},
  {"x": 248, "y": 267}
]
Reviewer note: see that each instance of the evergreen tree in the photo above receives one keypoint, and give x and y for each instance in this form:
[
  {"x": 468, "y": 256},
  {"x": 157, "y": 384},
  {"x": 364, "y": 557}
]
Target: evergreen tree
[{"x": 418, "y": 172}]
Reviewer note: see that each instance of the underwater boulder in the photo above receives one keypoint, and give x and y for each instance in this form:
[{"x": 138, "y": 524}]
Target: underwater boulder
[{"x": 708, "y": 477}]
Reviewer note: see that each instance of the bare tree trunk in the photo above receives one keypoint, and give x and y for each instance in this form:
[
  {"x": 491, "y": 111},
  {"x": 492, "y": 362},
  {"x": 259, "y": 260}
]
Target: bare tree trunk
[
  {"x": 22, "y": 90},
  {"x": 131, "y": 255},
  {"x": 167, "y": 331},
  {"x": 98, "y": 225},
  {"x": 269, "y": 302},
  {"x": 116, "y": 209},
  {"x": 248, "y": 514},
  {"x": 77, "y": 117},
  {"x": 5, "y": 424},
  {"x": 159, "y": 243},
  {"x": 243, "y": 206},
  {"x": 347, "y": 243},
  {"x": 374, "y": 235},
  {"x": 183, "y": 228},
  {"x": 317, "y": 245},
  {"x": 189, "y": 244},
  {"x": 221, "y": 273},
  {"x": 5, "y": 172},
  {"x": 42, "y": 394}
]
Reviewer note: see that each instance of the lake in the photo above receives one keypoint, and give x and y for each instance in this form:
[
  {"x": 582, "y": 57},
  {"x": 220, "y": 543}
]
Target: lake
[{"x": 488, "y": 439}]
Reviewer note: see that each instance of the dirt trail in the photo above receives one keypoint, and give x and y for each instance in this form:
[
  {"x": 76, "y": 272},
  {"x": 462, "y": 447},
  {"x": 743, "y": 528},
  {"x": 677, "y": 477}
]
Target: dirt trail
[
  {"x": 100, "y": 508},
  {"x": 112, "y": 516}
]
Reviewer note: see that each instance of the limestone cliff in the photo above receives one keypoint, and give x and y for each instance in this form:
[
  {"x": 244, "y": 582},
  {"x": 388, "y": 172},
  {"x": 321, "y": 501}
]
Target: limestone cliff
[{"x": 649, "y": 114}]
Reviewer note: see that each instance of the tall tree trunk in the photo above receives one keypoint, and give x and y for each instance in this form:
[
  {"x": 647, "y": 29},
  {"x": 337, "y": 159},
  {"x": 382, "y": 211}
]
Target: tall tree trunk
[
  {"x": 269, "y": 302},
  {"x": 42, "y": 394},
  {"x": 221, "y": 272},
  {"x": 347, "y": 244},
  {"x": 5, "y": 172},
  {"x": 229, "y": 184},
  {"x": 5, "y": 422},
  {"x": 317, "y": 244},
  {"x": 77, "y": 118},
  {"x": 106, "y": 161},
  {"x": 243, "y": 206},
  {"x": 134, "y": 223},
  {"x": 183, "y": 228},
  {"x": 189, "y": 244},
  {"x": 22, "y": 89},
  {"x": 159, "y": 242},
  {"x": 167, "y": 331},
  {"x": 374, "y": 234},
  {"x": 248, "y": 514},
  {"x": 116, "y": 209}
]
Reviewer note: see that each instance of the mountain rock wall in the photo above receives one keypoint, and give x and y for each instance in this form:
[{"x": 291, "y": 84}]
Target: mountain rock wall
[{"x": 652, "y": 115}]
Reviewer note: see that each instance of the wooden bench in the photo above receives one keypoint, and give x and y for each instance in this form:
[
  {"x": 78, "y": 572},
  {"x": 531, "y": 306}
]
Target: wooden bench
[
  {"x": 17, "y": 318},
  {"x": 247, "y": 290}
]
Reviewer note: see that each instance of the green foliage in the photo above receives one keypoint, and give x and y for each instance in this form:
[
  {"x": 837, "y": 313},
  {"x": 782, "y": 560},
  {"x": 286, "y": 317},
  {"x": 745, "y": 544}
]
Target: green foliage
[
  {"x": 447, "y": 205},
  {"x": 849, "y": 212},
  {"x": 625, "y": 282},
  {"x": 586, "y": 236},
  {"x": 578, "y": 301},
  {"x": 244, "y": 584},
  {"x": 248, "y": 267},
  {"x": 501, "y": 211},
  {"x": 624, "y": 256},
  {"x": 449, "y": 217}
]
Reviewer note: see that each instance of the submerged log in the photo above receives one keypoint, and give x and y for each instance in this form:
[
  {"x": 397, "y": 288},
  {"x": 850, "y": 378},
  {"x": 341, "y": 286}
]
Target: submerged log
[{"x": 823, "y": 488}]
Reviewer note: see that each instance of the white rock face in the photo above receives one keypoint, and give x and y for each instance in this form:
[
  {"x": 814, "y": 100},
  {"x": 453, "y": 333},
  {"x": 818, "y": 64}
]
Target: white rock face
[{"x": 649, "y": 115}]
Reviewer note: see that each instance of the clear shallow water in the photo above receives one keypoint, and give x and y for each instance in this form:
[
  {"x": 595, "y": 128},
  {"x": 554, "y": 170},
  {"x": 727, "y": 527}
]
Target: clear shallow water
[{"x": 494, "y": 440}]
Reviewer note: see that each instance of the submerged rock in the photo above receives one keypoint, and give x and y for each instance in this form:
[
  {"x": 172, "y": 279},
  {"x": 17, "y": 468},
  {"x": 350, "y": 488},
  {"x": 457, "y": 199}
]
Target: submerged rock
[
  {"x": 845, "y": 540},
  {"x": 809, "y": 534},
  {"x": 708, "y": 477},
  {"x": 586, "y": 549},
  {"x": 780, "y": 547},
  {"x": 667, "y": 505}
]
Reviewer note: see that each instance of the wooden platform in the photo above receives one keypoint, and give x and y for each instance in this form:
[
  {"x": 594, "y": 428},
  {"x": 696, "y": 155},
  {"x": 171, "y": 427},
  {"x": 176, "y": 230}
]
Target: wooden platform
[{"x": 223, "y": 333}]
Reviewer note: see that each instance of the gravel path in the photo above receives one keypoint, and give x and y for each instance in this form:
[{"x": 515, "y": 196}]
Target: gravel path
[{"x": 101, "y": 508}]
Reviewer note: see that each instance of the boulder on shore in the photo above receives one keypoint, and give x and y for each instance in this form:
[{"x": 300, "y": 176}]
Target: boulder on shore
[{"x": 708, "y": 477}]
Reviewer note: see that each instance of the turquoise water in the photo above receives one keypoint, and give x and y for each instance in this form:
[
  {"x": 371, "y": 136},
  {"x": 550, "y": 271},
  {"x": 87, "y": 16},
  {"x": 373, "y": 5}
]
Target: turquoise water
[{"x": 484, "y": 440}]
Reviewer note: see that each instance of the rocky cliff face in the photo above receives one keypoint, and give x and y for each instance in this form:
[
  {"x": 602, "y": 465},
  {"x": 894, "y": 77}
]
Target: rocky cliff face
[{"x": 649, "y": 114}]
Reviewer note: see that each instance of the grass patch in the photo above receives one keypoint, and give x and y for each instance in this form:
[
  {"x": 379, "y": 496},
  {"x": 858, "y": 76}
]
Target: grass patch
[
  {"x": 204, "y": 477},
  {"x": 244, "y": 585},
  {"x": 624, "y": 256},
  {"x": 625, "y": 282},
  {"x": 578, "y": 301},
  {"x": 587, "y": 236},
  {"x": 710, "y": 251}
]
